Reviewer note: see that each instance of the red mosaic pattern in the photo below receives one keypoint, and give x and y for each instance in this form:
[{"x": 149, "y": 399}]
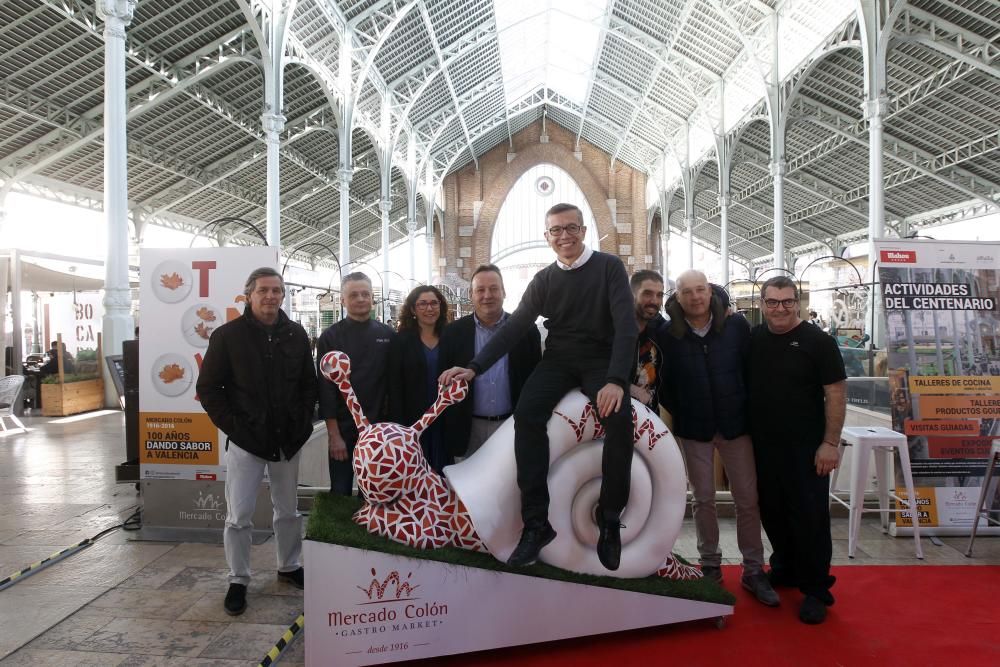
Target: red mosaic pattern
[
  {"x": 579, "y": 426},
  {"x": 405, "y": 500},
  {"x": 648, "y": 426},
  {"x": 673, "y": 568}
]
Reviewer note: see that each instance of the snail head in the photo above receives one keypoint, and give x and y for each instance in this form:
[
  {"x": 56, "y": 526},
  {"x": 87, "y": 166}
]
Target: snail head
[{"x": 388, "y": 462}]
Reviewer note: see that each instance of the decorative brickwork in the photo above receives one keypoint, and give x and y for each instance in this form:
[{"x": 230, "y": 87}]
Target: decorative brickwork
[{"x": 473, "y": 198}]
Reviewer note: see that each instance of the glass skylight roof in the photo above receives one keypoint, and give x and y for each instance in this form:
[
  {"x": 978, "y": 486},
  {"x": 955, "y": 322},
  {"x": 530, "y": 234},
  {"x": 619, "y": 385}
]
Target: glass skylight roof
[{"x": 548, "y": 44}]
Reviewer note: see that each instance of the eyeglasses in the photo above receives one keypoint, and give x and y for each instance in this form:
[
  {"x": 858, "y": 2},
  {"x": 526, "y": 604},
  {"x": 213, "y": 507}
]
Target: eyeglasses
[
  {"x": 572, "y": 230},
  {"x": 787, "y": 304},
  {"x": 427, "y": 305}
]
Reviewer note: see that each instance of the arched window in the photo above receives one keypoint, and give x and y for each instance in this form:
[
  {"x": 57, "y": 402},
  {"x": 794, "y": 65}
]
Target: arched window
[{"x": 518, "y": 245}]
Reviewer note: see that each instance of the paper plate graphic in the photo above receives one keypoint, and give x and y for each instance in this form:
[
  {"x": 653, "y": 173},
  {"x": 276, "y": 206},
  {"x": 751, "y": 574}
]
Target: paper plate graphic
[
  {"x": 171, "y": 374},
  {"x": 171, "y": 281},
  {"x": 200, "y": 321}
]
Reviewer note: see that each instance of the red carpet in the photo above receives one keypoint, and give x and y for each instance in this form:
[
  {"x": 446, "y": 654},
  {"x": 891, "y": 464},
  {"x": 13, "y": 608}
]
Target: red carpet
[{"x": 885, "y": 615}]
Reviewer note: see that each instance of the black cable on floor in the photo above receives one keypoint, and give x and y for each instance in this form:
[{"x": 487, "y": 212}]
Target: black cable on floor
[{"x": 133, "y": 522}]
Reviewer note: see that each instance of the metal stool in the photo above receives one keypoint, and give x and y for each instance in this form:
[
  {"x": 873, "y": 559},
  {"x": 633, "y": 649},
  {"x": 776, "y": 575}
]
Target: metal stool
[
  {"x": 981, "y": 511},
  {"x": 864, "y": 440}
]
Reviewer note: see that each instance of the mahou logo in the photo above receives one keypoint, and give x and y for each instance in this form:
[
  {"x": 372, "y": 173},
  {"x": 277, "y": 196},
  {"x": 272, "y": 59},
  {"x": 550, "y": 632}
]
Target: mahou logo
[
  {"x": 898, "y": 256},
  {"x": 403, "y": 589}
]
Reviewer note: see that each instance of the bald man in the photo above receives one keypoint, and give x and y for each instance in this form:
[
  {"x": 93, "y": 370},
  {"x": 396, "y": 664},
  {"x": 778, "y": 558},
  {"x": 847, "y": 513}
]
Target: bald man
[{"x": 702, "y": 386}]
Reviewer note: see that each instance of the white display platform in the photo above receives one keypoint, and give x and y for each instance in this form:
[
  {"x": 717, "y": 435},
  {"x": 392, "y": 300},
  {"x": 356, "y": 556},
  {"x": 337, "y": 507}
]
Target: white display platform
[{"x": 367, "y": 607}]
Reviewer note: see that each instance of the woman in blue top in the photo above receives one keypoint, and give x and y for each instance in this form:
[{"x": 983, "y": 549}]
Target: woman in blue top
[{"x": 414, "y": 368}]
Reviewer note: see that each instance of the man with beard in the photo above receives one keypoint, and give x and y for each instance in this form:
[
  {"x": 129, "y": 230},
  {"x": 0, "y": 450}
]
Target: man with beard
[{"x": 647, "y": 290}]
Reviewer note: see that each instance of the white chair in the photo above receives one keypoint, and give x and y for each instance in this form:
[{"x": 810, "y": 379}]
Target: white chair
[
  {"x": 10, "y": 390},
  {"x": 883, "y": 441},
  {"x": 981, "y": 511}
]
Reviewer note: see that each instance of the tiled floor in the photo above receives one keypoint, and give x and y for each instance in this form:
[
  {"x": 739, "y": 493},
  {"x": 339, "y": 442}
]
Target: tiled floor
[{"x": 123, "y": 602}]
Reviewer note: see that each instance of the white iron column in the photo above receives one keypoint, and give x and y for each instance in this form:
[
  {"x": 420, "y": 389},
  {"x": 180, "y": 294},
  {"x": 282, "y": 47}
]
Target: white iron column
[
  {"x": 117, "y": 325},
  {"x": 724, "y": 201},
  {"x": 411, "y": 201},
  {"x": 274, "y": 125},
  {"x": 689, "y": 226},
  {"x": 431, "y": 257},
  {"x": 429, "y": 236},
  {"x": 17, "y": 335},
  {"x": 666, "y": 251},
  {"x": 875, "y": 110},
  {"x": 689, "y": 219},
  {"x": 411, "y": 233},
  {"x": 345, "y": 174},
  {"x": 385, "y": 206},
  {"x": 778, "y": 168}
]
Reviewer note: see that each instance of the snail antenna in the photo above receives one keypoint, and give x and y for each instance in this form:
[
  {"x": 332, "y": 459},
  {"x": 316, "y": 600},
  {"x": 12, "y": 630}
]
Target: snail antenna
[
  {"x": 335, "y": 366},
  {"x": 447, "y": 395}
]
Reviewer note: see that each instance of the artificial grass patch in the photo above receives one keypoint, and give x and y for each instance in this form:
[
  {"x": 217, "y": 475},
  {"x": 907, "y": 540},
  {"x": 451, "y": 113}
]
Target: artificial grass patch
[{"x": 330, "y": 521}]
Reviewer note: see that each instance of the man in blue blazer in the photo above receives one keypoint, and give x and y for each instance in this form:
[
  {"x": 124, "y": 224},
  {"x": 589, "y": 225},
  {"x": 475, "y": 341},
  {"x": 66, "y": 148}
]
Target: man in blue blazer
[{"x": 492, "y": 395}]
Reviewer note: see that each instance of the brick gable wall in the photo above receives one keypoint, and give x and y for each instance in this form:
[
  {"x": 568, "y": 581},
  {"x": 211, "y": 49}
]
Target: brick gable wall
[{"x": 617, "y": 198}]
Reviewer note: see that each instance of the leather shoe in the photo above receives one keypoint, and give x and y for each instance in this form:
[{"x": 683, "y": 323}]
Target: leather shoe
[
  {"x": 609, "y": 544},
  {"x": 761, "y": 589},
  {"x": 713, "y": 572},
  {"x": 812, "y": 611},
  {"x": 295, "y": 577},
  {"x": 533, "y": 538},
  {"x": 236, "y": 599}
]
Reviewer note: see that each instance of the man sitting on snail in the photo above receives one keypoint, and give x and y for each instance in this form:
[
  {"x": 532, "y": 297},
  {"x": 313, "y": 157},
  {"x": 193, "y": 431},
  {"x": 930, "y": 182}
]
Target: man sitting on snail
[
  {"x": 584, "y": 296},
  {"x": 469, "y": 507}
]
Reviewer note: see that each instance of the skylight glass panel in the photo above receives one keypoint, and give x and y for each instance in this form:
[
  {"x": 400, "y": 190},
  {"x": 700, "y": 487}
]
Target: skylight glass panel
[
  {"x": 802, "y": 25},
  {"x": 548, "y": 44},
  {"x": 744, "y": 88}
]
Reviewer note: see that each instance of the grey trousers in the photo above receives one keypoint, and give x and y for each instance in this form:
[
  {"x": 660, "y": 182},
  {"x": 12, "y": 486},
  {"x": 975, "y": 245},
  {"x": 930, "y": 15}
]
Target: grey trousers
[
  {"x": 737, "y": 458},
  {"x": 244, "y": 473}
]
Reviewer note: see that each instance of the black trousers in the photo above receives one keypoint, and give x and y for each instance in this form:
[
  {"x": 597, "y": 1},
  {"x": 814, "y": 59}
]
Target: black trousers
[
  {"x": 795, "y": 512},
  {"x": 543, "y": 389},
  {"x": 342, "y": 472}
]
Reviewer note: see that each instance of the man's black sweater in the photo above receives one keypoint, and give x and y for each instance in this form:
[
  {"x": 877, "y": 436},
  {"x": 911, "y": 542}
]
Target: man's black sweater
[{"x": 589, "y": 314}]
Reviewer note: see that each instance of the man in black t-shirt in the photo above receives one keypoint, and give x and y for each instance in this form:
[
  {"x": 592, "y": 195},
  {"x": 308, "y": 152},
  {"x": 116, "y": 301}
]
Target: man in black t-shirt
[
  {"x": 584, "y": 296},
  {"x": 797, "y": 407}
]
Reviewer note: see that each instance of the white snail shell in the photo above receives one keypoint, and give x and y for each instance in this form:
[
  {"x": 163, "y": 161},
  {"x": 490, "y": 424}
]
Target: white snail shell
[{"x": 487, "y": 485}]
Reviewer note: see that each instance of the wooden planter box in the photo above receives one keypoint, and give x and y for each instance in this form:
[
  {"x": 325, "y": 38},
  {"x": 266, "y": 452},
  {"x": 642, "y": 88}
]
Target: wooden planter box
[{"x": 61, "y": 400}]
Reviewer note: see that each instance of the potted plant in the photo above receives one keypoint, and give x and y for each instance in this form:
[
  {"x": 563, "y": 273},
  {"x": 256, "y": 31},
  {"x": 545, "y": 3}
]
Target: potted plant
[{"x": 65, "y": 394}]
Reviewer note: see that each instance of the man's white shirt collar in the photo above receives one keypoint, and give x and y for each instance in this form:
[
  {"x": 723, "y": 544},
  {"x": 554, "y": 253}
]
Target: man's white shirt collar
[{"x": 580, "y": 261}]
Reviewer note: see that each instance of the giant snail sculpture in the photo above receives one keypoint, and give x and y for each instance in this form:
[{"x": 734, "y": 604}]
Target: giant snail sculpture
[{"x": 475, "y": 505}]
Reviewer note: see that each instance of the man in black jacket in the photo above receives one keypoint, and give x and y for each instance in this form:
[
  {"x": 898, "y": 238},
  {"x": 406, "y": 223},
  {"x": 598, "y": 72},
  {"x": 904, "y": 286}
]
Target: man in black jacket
[
  {"x": 366, "y": 342},
  {"x": 705, "y": 352},
  {"x": 492, "y": 395},
  {"x": 585, "y": 299},
  {"x": 257, "y": 384}
]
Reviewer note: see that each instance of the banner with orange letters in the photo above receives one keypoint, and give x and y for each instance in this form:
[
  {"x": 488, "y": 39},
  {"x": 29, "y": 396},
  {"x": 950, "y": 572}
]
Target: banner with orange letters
[
  {"x": 185, "y": 294},
  {"x": 943, "y": 342}
]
